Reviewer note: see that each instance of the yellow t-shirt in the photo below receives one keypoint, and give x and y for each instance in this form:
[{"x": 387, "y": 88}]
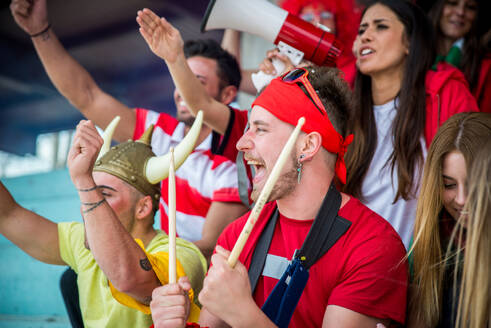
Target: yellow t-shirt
[{"x": 99, "y": 307}]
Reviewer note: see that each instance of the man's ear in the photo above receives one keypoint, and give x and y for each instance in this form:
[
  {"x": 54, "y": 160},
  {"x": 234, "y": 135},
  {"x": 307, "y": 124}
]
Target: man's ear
[
  {"x": 310, "y": 145},
  {"x": 228, "y": 94},
  {"x": 143, "y": 207}
]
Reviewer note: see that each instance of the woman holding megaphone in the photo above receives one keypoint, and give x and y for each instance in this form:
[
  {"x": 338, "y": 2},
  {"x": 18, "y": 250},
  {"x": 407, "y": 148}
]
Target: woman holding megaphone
[{"x": 399, "y": 103}]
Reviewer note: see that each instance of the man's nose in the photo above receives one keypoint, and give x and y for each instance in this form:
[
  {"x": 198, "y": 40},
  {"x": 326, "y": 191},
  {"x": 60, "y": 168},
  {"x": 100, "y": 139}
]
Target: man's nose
[{"x": 244, "y": 143}]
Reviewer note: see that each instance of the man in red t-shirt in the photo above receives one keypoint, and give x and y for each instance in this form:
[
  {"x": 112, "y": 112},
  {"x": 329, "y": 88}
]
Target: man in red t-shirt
[{"x": 360, "y": 281}]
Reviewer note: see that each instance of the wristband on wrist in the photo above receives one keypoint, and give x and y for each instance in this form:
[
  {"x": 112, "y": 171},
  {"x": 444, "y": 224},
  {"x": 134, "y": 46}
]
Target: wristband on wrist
[{"x": 39, "y": 33}]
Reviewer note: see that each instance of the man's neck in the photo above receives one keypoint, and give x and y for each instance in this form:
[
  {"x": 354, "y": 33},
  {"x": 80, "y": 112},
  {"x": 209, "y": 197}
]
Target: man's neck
[
  {"x": 305, "y": 206},
  {"x": 144, "y": 233},
  {"x": 306, "y": 199}
]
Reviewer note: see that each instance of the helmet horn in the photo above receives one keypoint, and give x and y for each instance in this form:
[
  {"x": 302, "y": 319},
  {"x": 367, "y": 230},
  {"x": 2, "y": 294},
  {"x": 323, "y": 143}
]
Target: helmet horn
[
  {"x": 157, "y": 168},
  {"x": 108, "y": 135}
]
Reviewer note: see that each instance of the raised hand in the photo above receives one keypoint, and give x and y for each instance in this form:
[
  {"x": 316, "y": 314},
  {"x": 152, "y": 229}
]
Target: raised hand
[
  {"x": 30, "y": 15},
  {"x": 267, "y": 64},
  {"x": 163, "y": 39},
  {"x": 86, "y": 145},
  {"x": 170, "y": 304}
]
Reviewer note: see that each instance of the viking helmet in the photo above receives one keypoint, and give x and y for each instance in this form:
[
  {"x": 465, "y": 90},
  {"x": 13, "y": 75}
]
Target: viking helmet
[{"x": 135, "y": 163}]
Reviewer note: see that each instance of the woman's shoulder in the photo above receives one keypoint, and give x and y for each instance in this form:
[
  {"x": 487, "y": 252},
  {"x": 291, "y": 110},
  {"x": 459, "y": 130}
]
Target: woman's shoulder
[{"x": 444, "y": 74}]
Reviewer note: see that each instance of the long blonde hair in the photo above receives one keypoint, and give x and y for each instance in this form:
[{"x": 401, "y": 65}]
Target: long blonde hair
[
  {"x": 475, "y": 300},
  {"x": 465, "y": 132}
]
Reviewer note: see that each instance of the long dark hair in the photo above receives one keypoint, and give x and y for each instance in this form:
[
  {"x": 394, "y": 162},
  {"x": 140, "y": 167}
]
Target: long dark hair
[
  {"x": 473, "y": 49},
  {"x": 409, "y": 122}
]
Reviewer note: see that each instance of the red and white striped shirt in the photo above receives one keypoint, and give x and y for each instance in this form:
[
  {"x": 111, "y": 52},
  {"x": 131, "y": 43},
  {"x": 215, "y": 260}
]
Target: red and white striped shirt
[{"x": 202, "y": 179}]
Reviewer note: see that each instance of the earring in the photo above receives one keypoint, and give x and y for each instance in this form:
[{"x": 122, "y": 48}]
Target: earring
[{"x": 299, "y": 168}]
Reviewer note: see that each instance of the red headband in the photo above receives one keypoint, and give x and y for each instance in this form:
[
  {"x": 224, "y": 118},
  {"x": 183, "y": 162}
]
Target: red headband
[{"x": 288, "y": 103}]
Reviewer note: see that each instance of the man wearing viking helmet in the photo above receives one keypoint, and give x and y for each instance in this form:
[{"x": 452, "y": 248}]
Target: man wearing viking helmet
[
  {"x": 118, "y": 255},
  {"x": 207, "y": 181}
]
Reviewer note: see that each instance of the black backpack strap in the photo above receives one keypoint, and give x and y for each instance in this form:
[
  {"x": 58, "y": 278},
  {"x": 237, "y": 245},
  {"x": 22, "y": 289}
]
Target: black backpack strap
[
  {"x": 324, "y": 232},
  {"x": 218, "y": 143},
  {"x": 327, "y": 228},
  {"x": 261, "y": 251}
]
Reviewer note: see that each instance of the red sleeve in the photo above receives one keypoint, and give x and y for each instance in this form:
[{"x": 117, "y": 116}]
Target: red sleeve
[
  {"x": 235, "y": 130},
  {"x": 374, "y": 273},
  {"x": 452, "y": 98},
  {"x": 455, "y": 97},
  {"x": 141, "y": 117},
  {"x": 228, "y": 195},
  {"x": 483, "y": 91},
  {"x": 375, "y": 282}
]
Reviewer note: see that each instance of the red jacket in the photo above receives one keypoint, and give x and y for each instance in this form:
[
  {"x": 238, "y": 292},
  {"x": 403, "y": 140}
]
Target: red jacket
[
  {"x": 482, "y": 92},
  {"x": 447, "y": 93}
]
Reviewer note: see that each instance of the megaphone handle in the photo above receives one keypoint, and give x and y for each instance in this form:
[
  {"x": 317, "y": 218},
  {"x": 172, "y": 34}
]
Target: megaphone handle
[{"x": 261, "y": 79}]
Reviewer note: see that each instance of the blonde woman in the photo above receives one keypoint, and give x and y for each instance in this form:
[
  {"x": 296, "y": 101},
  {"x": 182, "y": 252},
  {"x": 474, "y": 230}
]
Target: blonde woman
[
  {"x": 475, "y": 300},
  {"x": 441, "y": 203}
]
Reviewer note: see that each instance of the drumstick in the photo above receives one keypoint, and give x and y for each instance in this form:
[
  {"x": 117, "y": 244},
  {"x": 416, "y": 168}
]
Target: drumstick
[
  {"x": 172, "y": 219},
  {"x": 264, "y": 195}
]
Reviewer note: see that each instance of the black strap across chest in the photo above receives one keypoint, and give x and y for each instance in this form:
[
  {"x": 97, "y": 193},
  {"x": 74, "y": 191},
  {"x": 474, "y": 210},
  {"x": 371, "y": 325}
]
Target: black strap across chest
[{"x": 326, "y": 229}]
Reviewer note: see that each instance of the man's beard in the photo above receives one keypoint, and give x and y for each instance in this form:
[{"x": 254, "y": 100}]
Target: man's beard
[
  {"x": 188, "y": 121},
  {"x": 285, "y": 184}
]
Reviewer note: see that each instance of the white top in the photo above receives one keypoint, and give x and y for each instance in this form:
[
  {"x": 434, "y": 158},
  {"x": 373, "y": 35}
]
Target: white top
[{"x": 379, "y": 187}]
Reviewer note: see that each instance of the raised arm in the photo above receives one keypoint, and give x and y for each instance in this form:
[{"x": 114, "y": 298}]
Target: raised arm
[
  {"x": 231, "y": 42},
  {"x": 114, "y": 249},
  {"x": 165, "y": 41},
  {"x": 68, "y": 76},
  {"x": 34, "y": 234}
]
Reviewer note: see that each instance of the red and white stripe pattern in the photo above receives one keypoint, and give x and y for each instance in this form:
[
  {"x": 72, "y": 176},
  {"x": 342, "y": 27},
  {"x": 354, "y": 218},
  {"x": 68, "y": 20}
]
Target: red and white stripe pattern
[{"x": 203, "y": 178}]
